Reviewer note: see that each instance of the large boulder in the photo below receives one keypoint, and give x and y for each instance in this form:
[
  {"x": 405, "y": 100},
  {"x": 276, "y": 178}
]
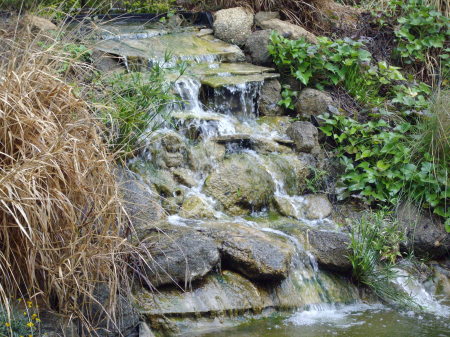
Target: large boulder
[
  {"x": 312, "y": 103},
  {"x": 305, "y": 135},
  {"x": 255, "y": 254},
  {"x": 269, "y": 97},
  {"x": 177, "y": 255},
  {"x": 317, "y": 206},
  {"x": 233, "y": 25},
  {"x": 241, "y": 185},
  {"x": 260, "y": 17},
  {"x": 195, "y": 207},
  {"x": 288, "y": 30},
  {"x": 426, "y": 235},
  {"x": 256, "y": 47},
  {"x": 141, "y": 204},
  {"x": 331, "y": 249}
]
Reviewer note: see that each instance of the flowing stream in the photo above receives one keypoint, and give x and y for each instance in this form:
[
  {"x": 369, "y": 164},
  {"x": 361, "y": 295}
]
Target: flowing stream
[{"x": 218, "y": 119}]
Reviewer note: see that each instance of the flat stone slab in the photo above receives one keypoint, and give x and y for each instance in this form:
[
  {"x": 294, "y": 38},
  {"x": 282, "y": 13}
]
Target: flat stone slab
[
  {"x": 222, "y": 81},
  {"x": 182, "y": 46},
  {"x": 215, "y": 69}
]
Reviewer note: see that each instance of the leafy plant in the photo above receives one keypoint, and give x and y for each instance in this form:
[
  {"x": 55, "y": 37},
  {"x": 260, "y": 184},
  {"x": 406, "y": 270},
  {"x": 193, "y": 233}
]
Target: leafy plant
[
  {"x": 138, "y": 104},
  {"x": 374, "y": 242},
  {"x": 381, "y": 164},
  {"x": 19, "y": 323}
]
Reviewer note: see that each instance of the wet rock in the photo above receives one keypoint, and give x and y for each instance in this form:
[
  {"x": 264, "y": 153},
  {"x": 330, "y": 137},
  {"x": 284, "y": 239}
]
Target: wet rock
[
  {"x": 312, "y": 103},
  {"x": 233, "y": 25},
  {"x": 37, "y": 23},
  {"x": 330, "y": 249},
  {"x": 172, "y": 205},
  {"x": 167, "y": 149},
  {"x": 145, "y": 331},
  {"x": 202, "y": 157},
  {"x": 240, "y": 184},
  {"x": 288, "y": 30},
  {"x": 268, "y": 146},
  {"x": 184, "y": 176},
  {"x": 141, "y": 203},
  {"x": 426, "y": 235},
  {"x": 317, "y": 206},
  {"x": 255, "y": 254},
  {"x": 256, "y": 47},
  {"x": 194, "y": 207},
  {"x": 216, "y": 294},
  {"x": 204, "y": 32},
  {"x": 305, "y": 136},
  {"x": 105, "y": 62},
  {"x": 285, "y": 207},
  {"x": 178, "y": 254},
  {"x": 265, "y": 16},
  {"x": 269, "y": 97}
]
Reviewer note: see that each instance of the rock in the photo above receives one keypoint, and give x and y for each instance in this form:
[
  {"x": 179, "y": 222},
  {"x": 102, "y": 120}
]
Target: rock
[
  {"x": 178, "y": 255},
  {"x": 37, "y": 23},
  {"x": 330, "y": 249},
  {"x": 312, "y": 103},
  {"x": 241, "y": 185},
  {"x": 204, "y": 32},
  {"x": 145, "y": 331},
  {"x": 55, "y": 326},
  {"x": 426, "y": 235},
  {"x": 194, "y": 207},
  {"x": 233, "y": 25},
  {"x": 317, "y": 206},
  {"x": 105, "y": 62},
  {"x": 256, "y": 47},
  {"x": 167, "y": 149},
  {"x": 126, "y": 316},
  {"x": 255, "y": 254},
  {"x": 288, "y": 30},
  {"x": 141, "y": 204},
  {"x": 184, "y": 176},
  {"x": 201, "y": 157},
  {"x": 286, "y": 208},
  {"x": 305, "y": 136},
  {"x": 265, "y": 16},
  {"x": 269, "y": 97}
]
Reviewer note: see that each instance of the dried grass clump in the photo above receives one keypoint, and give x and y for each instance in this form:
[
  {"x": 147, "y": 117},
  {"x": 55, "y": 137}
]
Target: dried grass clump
[{"x": 60, "y": 215}]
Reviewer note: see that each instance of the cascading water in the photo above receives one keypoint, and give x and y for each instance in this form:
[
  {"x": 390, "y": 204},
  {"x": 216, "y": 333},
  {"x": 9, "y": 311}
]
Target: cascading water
[{"x": 215, "y": 123}]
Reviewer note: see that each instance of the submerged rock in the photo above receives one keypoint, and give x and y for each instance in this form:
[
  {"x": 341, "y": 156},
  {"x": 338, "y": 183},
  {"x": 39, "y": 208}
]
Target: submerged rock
[
  {"x": 426, "y": 235},
  {"x": 178, "y": 255},
  {"x": 305, "y": 136},
  {"x": 288, "y": 30},
  {"x": 257, "y": 45},
  {"x": 269, "y": 97},
  {"x": 312, "y": 103},
  {"x": 241, "y": 185},
  {"x": 317, "y": 206},
  {"x": 251, "y": 252},
  {"x": 233, "y": 25}
]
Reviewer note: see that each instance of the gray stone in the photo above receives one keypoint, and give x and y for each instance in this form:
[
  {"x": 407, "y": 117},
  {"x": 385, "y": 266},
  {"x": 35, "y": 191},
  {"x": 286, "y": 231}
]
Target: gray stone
[
  {"x": 184, "y": 176},
  {"x": 37, "y": 23},
  {"x": 312, "y": 102},
  {"x": 264, "y": 16},
  {"x": 105, "y": 62},
  {"x": 233, "y": 25},
  {"x": 269, "y": 97},
  {"x": 178, "y": 255},
  {"x": 141, "y": 204},
  {"x": 257, "y": 255},
  {"x": 194, "y": 207},
  {"x": 288, "y": 30},
  {"x": 305, "y": 136},
  {"x": 204, "y": 32},
  {"x": 256, "y": 47},
  {"x": 317, "y": 206},
  {"x": 426, "y": 235},
  {"x": 331, "y": 249},
  {"x": 285, "y": 207},
  {"x": 241, "y": 185}
]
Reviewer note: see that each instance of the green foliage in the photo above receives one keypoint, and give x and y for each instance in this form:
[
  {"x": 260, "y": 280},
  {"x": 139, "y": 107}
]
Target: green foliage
[
  {"x": 381, "y": 164},
  {"x": 374, "y": 242},
  {"x": 19, "y": 323},
  {"x": 74, "y": 53},
  {"x": 421, "y": 29},
  {"x": 138, "y": 104},
  {"x": 316, "y": 181},
  {"x": 346, "y": 63}
]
